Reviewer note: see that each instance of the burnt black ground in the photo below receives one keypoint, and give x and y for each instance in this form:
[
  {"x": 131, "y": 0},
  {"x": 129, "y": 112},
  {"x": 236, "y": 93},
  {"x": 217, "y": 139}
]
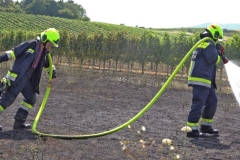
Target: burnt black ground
[{"x": 87, "y": 102}]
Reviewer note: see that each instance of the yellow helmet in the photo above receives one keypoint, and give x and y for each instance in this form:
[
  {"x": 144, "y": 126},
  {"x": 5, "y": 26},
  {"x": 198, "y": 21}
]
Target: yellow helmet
[
  {"x": 216, "y": 31},
  {"x": 51, "y": 35}
]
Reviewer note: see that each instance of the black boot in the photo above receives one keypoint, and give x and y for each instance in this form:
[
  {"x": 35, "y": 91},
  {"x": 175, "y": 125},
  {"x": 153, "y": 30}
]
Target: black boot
[
  {"x": 20, "y": 119},
  {"x": 21, "y": 126},
  {"x": 196, "y": 134},
  {"x": 209, "y": 130},
  {"x": 0, "y": 128}
]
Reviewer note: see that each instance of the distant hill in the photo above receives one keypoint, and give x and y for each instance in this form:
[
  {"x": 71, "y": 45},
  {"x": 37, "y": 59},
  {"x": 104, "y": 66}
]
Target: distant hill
[{"x": 228, "y": 26}]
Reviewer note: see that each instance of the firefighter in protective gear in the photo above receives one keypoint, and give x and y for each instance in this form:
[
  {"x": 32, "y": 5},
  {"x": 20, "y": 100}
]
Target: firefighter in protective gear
[
  {"x": 201, "y": 78},
  {"x": 25, "y": 74}
]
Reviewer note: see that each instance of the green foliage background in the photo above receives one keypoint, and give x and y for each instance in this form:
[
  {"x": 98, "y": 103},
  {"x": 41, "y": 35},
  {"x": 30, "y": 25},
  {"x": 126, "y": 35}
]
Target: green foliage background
[
  {"x": 65, "y": 9},
  {"x": 85, "y": 42}
]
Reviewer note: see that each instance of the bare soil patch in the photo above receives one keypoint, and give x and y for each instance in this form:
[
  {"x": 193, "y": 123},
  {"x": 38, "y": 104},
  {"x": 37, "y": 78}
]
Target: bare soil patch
[{"x": 87, "y": 102}]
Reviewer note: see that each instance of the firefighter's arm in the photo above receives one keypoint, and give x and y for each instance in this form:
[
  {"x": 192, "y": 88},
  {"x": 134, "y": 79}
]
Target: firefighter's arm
[
  {"x": 7, "y": 56},
  {"x": 17, "y": 51}
]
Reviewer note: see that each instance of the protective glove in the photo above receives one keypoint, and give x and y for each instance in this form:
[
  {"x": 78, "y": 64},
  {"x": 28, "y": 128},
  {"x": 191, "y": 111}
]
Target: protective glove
[
  {"x": 221, "y": 53},
  {"x": 220, "y": 49},
  {"x": 4, "y": 84}
]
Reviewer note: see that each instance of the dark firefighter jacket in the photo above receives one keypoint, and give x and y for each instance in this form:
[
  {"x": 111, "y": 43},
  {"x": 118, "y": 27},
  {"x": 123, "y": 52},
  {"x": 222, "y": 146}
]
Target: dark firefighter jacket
[
  {"x": 25, "y": 54},
  {"x": 203, "y": 65}
]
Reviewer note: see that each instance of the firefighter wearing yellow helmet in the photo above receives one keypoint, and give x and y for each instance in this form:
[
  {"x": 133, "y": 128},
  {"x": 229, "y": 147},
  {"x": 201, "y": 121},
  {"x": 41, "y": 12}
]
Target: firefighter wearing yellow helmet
[
  {"x": 201, "y": 78},
  {"x": 25, "y": 74}
]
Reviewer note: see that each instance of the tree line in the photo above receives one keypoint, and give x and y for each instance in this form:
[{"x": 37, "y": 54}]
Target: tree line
[
  {"x": 53, "y": 8},
  {"x": 122, "y": 48}
]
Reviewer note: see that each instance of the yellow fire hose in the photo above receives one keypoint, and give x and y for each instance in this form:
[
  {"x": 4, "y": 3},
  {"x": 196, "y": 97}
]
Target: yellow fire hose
[{"x": 34, "y": 130}]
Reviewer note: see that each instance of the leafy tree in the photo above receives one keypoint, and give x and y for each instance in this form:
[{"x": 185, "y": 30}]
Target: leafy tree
[
  {"x": 63, "y": 45},
  {"x": 95, "y": 46},
  {"x": 109, "y": 47},
  {"x": 36, "y": 7},
  {"x": 25, "y": 3},
  {"x": 233, "y": 47},
  {"x": 52, "y": 8},
  {"x": 66, "y": 13},
  {"x": 82, "y": 47},
  {"x": 106, "y": 49},
  {"x": 132, "y": 46},
  {"x": 181, "y": 48},
  {"x": 120, "y": 45},
  {"x": 77, "y": 10},
  {"x": 166, "y": 46},
  {"x": 61, "y": 4},
  {"x": 155, "y": 50},
  {"x": 142, "y": 50},
  {"x": 73, "y": 45},
  {"x": 6, "y": 3}
]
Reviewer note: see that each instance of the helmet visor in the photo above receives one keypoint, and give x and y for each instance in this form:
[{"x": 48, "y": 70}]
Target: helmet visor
[{"x": 55, "y": 43}]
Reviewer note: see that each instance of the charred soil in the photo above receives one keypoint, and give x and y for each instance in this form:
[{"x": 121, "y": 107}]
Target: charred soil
[{"x": 91, "y": 101}]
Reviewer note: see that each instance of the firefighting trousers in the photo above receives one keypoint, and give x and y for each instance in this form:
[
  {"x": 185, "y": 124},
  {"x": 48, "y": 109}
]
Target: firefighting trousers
[
  {"x": 24, "y": 86},
  {"x": 204, "y": 103}
]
